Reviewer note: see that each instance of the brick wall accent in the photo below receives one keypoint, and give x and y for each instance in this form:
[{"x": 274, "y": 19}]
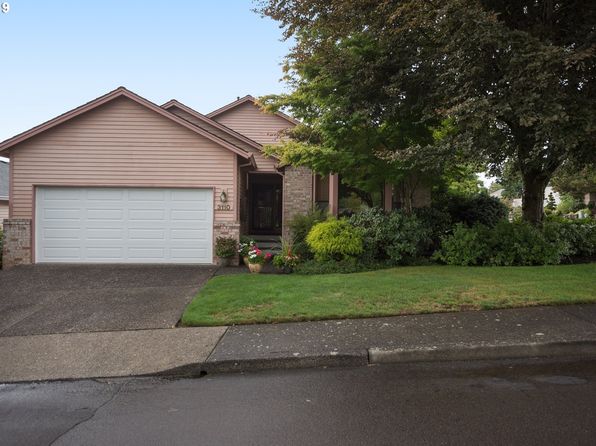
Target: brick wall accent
[
  {"x": 297, "y": 194},
  {"x": 16, "y": 248},
  {"x": 226, "y": 229}
]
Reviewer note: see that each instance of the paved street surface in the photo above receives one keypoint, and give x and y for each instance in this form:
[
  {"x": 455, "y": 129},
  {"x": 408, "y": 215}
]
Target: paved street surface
[{"x": 514, "y": 402}]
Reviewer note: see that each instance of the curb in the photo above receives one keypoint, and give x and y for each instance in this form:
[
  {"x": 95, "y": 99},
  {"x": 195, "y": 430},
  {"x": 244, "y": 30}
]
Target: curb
[
  {"x": 286, "y": 362},
  {"x": 480, "y": 352}
]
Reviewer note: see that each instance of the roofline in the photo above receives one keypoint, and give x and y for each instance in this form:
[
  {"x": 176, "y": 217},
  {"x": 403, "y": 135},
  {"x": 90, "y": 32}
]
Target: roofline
[
  {"x": 118, "y": 92},
  {"x": 248, "y": 98},
  {"x": 174, "y": 103}
]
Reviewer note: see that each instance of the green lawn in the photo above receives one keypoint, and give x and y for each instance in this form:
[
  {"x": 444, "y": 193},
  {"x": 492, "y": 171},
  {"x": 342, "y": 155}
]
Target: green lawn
[{"x": 248, "y": 298}]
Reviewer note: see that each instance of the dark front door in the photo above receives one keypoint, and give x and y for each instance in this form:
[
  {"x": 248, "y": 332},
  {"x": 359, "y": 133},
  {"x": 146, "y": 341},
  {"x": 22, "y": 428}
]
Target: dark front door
[{"x": 265, "y": 194}]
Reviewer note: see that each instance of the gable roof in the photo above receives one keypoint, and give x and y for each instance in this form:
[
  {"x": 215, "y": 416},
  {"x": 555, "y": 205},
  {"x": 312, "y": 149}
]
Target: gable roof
[
  {"x": 244, "y": 100},
  {"x": 3, "y": 180},
  {"x": 118, "y": 93},
  {"x": 209, "y": 124}
]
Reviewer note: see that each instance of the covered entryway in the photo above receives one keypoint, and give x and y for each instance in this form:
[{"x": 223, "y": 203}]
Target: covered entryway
[
  {"x": 123, "y": 225},
  {"x": 265, "y": 204}
]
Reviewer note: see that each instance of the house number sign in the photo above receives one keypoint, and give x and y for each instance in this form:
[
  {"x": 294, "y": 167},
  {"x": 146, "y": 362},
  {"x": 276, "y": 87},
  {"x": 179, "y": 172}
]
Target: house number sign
[{"x": 224, "y": 207}]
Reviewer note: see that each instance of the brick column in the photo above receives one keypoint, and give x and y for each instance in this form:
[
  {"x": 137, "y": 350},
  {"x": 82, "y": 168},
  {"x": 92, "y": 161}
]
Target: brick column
[
  {"x": 16, "y": 249},
  {"x": 297, "y": 194},
  {"x": 226, "y": 229},
  {"x": 334, "y": 194}
]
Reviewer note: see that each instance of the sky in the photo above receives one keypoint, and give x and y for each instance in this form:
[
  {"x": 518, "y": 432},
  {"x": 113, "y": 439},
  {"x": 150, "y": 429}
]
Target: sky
[{"x": 57, "y": 54}]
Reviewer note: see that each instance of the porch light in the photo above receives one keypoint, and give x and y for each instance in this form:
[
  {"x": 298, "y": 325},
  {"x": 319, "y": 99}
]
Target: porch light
[{"x": 223, "y": 197}]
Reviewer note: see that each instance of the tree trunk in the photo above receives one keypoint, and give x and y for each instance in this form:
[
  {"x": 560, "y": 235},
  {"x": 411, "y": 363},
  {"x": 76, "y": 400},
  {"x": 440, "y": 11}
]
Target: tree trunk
[{"x": 533, "y": 197}]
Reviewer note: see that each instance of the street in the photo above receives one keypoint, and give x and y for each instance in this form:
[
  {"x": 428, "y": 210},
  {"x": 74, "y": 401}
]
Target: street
[{"x": 508, "y": 402}]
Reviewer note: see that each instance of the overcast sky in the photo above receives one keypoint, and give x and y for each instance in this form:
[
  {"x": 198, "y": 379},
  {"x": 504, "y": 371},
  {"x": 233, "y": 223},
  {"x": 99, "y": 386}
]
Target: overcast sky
[{"x": 56, "y": 55}]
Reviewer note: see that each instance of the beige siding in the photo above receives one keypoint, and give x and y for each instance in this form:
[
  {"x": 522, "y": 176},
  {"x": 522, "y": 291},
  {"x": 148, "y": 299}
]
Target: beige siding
[
  {"x": 3, "y": 211},
  {"x": 261, "y": 127},
  {"x": 120, "y": 144}
]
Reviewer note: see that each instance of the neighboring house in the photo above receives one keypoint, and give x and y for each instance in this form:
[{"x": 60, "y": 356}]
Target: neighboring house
[
  {"x": 4, "y": 190},
  {"x": 123, "y": 180},
  {"x": 517, "y": 202}
]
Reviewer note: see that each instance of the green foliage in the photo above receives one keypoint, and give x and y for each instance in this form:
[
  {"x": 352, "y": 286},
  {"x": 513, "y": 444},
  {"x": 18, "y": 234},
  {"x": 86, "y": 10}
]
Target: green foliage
[
  {"x": 334, "y": 240},
  {"x": 477, "y": 209},
  {"x": 506, "y": 244},
  {"x": 286, "y": 259},
  {"x": 390, "y": 237},
  {"x": 578, "y": 236},
  {"x": 225, "y": 247},
  {"x": 551, "y": 205},
  {"x": 347, "y": 266},
  {"x": 375, "y": 80},
  {"x": 300, "y": 225},
  {"x": 568, "y": 204},
  {"x": 575, "y": 180}
]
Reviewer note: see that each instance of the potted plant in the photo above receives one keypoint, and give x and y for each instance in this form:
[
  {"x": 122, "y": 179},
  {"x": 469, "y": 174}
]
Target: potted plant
[
  {"x": 245, "y": 245},
  {"x": 225, "y": 250},
  {"x": 256, "y": 259},
  {"x": 286, "y": 260}
]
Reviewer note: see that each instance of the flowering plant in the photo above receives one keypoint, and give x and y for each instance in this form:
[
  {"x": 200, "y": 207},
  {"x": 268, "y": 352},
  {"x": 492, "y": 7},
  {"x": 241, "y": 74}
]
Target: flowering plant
[
  {"x": 255, "y": 255},
  {"x": 245, "y": 246},
  {"x": 286, "y": 259}
]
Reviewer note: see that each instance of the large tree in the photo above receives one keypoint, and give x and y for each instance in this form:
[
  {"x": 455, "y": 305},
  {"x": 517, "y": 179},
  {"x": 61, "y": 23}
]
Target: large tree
[{"x": 417, "y": 82}]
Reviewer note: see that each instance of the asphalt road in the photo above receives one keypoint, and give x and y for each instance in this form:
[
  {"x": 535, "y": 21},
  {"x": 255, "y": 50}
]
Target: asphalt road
[{"x": 524, "y": 402}]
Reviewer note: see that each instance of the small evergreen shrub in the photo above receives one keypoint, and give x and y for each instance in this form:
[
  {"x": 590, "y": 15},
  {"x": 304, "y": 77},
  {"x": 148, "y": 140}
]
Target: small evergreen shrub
[
  {"x": 334, "y": 240},
  {"x": 300, "y": 226},
  {"x": 348, "y": 266}
]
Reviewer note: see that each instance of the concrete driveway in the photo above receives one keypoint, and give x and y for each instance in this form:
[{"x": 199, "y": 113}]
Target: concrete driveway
[{"x": 44, "y": 298}]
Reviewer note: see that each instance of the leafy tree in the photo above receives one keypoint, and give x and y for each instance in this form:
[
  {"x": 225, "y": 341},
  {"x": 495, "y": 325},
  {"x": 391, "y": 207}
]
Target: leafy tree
[
  {"x": 575, "y": 180},
  {"x": 388, "y": 86}
]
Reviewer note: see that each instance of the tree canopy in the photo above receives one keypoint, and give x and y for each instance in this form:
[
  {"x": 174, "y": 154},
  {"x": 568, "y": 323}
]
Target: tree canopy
[{"x": 384, "y": 87}]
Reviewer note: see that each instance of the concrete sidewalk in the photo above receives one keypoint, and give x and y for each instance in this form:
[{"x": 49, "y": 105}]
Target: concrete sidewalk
[{"x": 568, "y": 331}]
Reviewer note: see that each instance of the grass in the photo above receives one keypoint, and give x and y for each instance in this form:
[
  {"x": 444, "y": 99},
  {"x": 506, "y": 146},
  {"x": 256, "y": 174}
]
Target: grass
[{"x": 249, "y": 299}]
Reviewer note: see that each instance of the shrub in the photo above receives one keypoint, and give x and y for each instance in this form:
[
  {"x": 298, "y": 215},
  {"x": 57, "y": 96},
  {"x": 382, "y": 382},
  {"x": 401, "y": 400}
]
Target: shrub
[
  {"x": 286, "y": 260},
  {"x": 225, "y": 247},
  {"x": 300, "y": 226},
  {"x": 579, "y": 236},
  {"x": 477, "y": 209},
  {"x": 466, "y": 246},
  {"x": 334, "y": 240},
  {"x": 394, "y": 237},
  {"x": 436, "y": 224},
  {"x": 506, "y": 244}
]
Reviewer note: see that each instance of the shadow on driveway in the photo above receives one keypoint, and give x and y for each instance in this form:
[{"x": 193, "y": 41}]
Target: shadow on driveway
[{"x": 46, "y": 298}]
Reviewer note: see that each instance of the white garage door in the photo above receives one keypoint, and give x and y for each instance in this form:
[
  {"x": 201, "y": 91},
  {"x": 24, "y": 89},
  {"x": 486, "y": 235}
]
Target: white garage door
[{"x": 123, "y": 225}]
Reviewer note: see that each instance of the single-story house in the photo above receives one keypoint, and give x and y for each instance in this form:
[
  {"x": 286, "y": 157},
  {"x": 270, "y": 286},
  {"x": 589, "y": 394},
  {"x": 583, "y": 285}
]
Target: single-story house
[
  {"x": 123, "y": 180},
  {"x": 4, "y": 181}
]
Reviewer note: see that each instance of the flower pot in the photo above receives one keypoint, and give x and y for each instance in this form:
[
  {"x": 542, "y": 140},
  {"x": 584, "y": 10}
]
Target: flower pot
[
  {"x": 245, "y": 258},
  {"x": 255, "y": 267},
  {"x": 224, "y": 261}
]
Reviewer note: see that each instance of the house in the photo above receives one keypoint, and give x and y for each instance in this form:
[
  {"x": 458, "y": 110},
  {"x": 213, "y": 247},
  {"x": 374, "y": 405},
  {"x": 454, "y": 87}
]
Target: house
[
  {"x": 3, "y": 190},
  {"x": 123, "y": 180}
]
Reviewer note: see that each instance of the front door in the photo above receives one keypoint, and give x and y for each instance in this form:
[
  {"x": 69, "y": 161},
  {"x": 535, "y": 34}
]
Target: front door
[{"x": 265, "y": 194}]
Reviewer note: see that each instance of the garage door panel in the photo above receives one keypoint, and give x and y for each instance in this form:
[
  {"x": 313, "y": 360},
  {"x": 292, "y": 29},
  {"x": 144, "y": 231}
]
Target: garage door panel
[{"x": 124, "y": 225}]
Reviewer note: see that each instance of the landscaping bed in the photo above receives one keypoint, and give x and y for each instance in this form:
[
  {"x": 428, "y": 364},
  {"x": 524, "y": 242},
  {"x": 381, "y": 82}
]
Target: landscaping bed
[{"x": 249, "y": 299}]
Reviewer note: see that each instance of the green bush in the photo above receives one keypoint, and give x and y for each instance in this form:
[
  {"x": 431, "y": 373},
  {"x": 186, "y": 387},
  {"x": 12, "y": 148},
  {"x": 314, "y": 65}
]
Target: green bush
[
  {"x": 300, "y": 226},
  {"x": 506, "y": 244},
  {"x": 390, "y": 237},
  {"x": 579, "y": 236},
  {"x": 225, "y": 247},
  {"x": 334, "y": 240},
  {"x": 465, "y": 247},
  {"x": 477, "y": 209},
  {"x": 436, "y": 224}
]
